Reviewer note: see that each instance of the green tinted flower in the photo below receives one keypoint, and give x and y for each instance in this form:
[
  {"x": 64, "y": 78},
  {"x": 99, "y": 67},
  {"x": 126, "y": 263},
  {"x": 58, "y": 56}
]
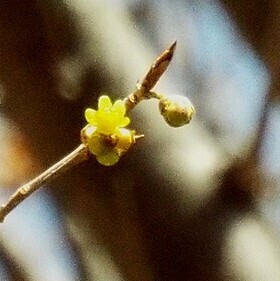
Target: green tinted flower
[{"x": 105, "y": 134}]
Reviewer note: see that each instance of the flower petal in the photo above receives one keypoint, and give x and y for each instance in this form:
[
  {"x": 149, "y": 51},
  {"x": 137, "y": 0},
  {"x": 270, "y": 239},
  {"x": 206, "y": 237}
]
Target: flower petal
[
  {"x": 125, "y": 140},
  {"x": 124, "y": 122},
  {"x": 88, "y": 131},
  {"x": 109, "y": 158},
  {"x": 119, "y": 107},
  {"x": 104, "y": 103},
  {"x": 90, "y": 115}
]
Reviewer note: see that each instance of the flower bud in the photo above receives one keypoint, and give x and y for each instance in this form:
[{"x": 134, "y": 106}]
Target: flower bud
[{"x": 177, "y": 110}]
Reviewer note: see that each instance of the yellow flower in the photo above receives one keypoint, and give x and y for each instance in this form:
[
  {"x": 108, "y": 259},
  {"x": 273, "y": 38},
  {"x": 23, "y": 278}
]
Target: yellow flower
[
  {"x": 105, "y": 134},
  {"x": 109, "y": 117}
]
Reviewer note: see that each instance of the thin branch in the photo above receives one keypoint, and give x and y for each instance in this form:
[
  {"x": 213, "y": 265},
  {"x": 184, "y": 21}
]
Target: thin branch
[
  {"x": 157, "y": 69},
  {"x": 77, "y": 156},
  {"x": 81, "y": 153}
]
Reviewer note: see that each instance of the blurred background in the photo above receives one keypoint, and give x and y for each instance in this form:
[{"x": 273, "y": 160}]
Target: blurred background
[{"x": 197, "y": 203}]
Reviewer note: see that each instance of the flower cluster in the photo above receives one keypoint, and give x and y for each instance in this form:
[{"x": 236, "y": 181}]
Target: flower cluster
[{"x": 105, "y": 134}]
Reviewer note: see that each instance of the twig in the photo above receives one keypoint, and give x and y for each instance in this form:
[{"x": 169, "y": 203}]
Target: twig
[
  {"x": 81, "y": 153},
  {"x": 78, "y": 155},
  {"x": 143, "y": 90}
]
